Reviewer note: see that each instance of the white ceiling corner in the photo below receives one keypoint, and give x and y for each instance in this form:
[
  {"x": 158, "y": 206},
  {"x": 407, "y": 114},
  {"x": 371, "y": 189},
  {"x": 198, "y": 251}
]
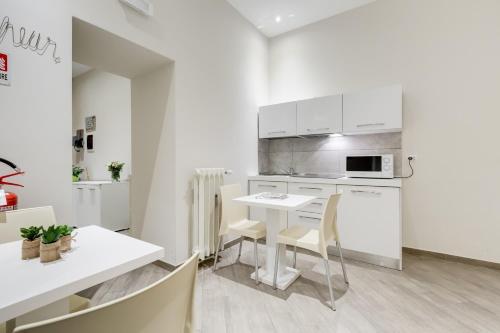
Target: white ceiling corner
[{"x": 292, "y": 14}]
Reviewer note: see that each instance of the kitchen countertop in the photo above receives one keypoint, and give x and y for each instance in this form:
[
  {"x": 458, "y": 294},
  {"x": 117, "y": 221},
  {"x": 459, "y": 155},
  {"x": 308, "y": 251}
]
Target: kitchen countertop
[
  {"x": 92, "y": 182},
  {"x": 393, "y": 182}
]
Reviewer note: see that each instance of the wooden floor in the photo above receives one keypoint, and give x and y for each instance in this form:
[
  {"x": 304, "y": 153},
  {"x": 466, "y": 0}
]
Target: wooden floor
[{"x": 430, "y": 295}]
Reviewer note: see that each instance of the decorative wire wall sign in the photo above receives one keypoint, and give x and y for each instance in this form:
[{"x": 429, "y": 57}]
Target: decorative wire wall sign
[{"x": 32, "y": 42}]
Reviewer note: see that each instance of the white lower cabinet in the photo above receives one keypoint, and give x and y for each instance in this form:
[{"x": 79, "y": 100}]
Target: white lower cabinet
[
  {"x": 259, "y": 214},
  {"x": 104, "y": 204},
  {"x": 369, "y": 220},
  {"x": 369, "y": 217}
]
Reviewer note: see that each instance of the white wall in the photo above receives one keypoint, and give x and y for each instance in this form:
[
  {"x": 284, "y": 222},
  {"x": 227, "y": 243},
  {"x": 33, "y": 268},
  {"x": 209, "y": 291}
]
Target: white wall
[
  {"x": 35, "y": 111},
  {"x": 220, "y": 79},
  {"x": 445, "y": 53},
  {"x": 108, "y": 97}
]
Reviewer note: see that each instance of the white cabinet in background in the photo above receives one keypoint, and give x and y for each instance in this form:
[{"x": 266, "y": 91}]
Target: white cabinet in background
[
  {"x": 257, "y": 213},
  {"x": 322, "y": 115},
  {"x": 373, "y": 111},
  {"x": 105, "y": 204},
  {"x": 369, "y": 220},
  {"x": 279, "y": 120}
]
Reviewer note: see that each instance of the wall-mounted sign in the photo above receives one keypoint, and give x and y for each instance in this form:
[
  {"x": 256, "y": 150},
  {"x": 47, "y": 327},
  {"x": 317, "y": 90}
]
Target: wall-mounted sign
[
  {"x": 4, "y": 69},
  {"x": 90, "y": 123}
]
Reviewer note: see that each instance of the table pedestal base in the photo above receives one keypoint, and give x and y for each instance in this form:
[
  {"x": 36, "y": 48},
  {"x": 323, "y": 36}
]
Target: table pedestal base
[{"x": 284, "y": 279}]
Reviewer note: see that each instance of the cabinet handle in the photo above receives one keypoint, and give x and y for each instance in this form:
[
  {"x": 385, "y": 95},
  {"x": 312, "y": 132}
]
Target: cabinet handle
[
  {"x": 372, "y": 124},
  {"x": 79, "y": 188},
  {"x": 264, "y": 185},
  {"x": 369, "y": 192},
  {"x": 309, "y": 218},
  {"x": 318, "y": 129},
  {"x": 91, "y": 189},
  {"x": 317, "y": 203},
  {"x": 311, "y": 188},
  {"x": 277, "y": 132}
]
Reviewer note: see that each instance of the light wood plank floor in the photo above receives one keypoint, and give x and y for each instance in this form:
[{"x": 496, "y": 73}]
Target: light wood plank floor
[{"x": 430, "y": 295}]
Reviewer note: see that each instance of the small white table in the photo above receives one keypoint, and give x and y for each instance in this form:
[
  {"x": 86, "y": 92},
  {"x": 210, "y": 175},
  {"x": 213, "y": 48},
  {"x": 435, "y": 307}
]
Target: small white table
[
  {"x": 276, "y": 217},
  {"x": 97, "y": 256}
]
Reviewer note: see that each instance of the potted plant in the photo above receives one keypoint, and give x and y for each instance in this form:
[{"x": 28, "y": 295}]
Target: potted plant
[
  {"x": 50, "y": 244},
  {"x": 31, "y": 242},
  {"x": 65, "y": 231},
  {"x": 115, "y": 168},
  {"x": 77, "y": 171}
]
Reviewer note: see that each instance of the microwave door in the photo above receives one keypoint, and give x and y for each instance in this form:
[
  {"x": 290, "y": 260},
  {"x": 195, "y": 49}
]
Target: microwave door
[{"x": 364, "y": 163}]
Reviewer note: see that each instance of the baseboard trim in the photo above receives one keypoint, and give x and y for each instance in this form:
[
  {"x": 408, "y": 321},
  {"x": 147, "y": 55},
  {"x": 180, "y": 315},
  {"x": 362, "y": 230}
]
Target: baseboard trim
[
  {"x": 450, "y": 257},
  {"x": 368, "y": 258}
]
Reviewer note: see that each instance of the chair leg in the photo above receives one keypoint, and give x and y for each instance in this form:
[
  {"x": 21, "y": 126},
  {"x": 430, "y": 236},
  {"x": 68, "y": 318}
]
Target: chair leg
[
  {"x": 276, "y": 261},
  {"x": 294, "y": 257},
  {"x": 256, "y": 262},
  {"x": 328, "y": 278},
  {"x": 239, "y": 251},
  {"x": 342, "y": 262},
  {"x": 217, "y": 253}
]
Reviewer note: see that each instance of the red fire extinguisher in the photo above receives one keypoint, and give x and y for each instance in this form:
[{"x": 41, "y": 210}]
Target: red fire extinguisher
[{"x": 11, "y": 197}]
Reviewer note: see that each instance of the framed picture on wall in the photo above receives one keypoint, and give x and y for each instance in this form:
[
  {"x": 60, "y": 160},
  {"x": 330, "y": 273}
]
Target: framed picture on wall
[{"x": 90, "y": 123}]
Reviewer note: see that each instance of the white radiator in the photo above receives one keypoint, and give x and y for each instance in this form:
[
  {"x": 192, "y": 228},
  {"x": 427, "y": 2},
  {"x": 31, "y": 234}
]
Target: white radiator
[{"x": 206, "y": 210}]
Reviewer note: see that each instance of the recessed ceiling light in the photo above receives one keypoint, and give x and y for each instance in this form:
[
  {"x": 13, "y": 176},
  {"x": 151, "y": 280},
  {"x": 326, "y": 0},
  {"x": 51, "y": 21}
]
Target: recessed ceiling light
[
  {"x": 277, "y": 19},
  {"x": 260, "y": 26},
  {"x": 291, "y": 15}
]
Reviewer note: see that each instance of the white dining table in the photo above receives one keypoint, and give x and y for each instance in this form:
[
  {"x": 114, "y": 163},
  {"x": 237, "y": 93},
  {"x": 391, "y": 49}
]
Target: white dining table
[
  {"x": 276, "y": 220},
  {"x": 97, "y": 256}
]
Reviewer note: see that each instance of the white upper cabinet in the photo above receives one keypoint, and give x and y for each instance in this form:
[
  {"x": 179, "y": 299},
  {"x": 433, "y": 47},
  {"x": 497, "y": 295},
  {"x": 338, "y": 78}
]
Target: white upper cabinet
[
  {"x": 321, "y": 115},
  {"x": 278, "y": 120},
  {"x": 373, "y": 111}
]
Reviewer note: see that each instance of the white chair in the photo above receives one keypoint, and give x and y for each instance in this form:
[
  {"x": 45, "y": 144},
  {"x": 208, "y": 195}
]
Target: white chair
[
  {"x": 10, "y": 224},
  {"x": 235, "y": 221},
  {"x": 315, "y": 240},
  {"x": 165, "y": 306},
  {"x": 11, "y": 221}
]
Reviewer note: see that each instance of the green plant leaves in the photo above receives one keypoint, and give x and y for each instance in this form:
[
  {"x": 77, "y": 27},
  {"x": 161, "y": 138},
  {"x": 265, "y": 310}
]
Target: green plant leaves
[
  {"x": 51, "y": 234},
  {"x": 31, "y": 233},
  {"x": 65, "y": 230}
]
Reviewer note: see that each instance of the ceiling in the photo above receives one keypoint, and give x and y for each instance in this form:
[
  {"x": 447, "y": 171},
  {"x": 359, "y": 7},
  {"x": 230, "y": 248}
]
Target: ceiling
[
  {"x": 274, "y": 17},
  {"x": 79, "y": 69}
]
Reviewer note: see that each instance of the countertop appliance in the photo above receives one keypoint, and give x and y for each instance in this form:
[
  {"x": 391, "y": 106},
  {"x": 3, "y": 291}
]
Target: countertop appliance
[{"x": 370, "y": 166}]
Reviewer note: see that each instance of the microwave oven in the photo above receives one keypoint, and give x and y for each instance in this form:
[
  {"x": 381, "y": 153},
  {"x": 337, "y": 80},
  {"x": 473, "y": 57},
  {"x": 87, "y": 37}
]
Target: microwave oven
[{"x": 370, "y": 166}]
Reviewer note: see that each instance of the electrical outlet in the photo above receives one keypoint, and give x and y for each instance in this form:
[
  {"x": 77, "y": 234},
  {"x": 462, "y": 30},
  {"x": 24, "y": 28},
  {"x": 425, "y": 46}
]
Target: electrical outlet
[{"x": 412, "y": 157}]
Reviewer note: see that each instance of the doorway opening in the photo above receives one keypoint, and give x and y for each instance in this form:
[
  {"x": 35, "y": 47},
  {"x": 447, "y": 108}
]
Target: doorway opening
[{"x": 121, "y": 93}]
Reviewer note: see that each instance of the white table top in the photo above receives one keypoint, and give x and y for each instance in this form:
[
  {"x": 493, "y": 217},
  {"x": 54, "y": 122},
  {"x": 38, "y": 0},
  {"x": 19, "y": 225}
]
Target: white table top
[
  {"x": 97, "y": 256},
  {"x": 292, "y": 202}
]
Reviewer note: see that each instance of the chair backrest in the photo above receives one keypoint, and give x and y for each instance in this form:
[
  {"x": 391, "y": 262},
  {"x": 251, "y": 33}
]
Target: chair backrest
[
  {"x": 165, "y": 306},
  {"x": 328, "y": 227},
  {"x": 11, "y": 221},
  {"x": 231, "y": 212}
]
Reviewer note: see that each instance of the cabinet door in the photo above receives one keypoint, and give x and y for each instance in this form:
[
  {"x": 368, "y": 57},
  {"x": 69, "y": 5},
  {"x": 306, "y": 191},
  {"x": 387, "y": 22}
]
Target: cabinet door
[
  {"x": 369, "y": 220},
  {"x": 257, "y": 213},
  {"x": 321, "y": 115},
  {"x": 279, "y": 120},
  {"x": 373, "y": 111},
  {"x": 305, "y": 219},
  {"x": 87, "y": 201}
]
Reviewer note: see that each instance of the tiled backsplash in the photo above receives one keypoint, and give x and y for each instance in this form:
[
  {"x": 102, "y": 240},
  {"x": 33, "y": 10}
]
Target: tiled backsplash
[{"x": 325, "y": 154}]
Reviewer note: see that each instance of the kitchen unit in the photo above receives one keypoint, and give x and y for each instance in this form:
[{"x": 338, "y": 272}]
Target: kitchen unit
[
  {"x": 279, "y": 120},
  {"x": 369, "y": 216},
  {"x": 373, "y": 111},
  {"x": 102, "y": 203},
  {"x": 376, "y": 110},
  {"x": 320, "y": 115}
]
